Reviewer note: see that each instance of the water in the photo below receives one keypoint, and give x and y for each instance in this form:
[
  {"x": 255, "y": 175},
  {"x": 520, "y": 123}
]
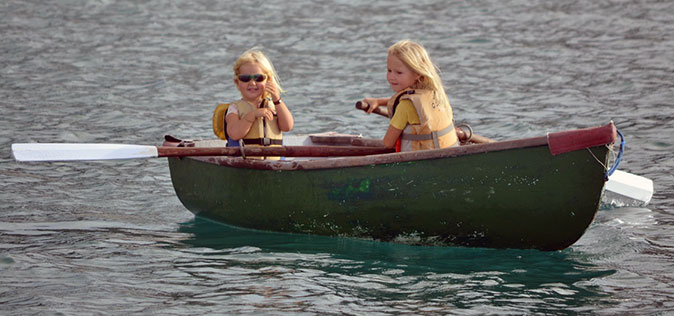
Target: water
[{"x": 111, "y": 238}]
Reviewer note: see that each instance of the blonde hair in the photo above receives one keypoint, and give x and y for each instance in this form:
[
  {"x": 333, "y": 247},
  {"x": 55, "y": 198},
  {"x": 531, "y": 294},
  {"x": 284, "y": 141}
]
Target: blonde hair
[
  {"x": 255, "y": 56},
  {"x": 414, "y": 56}
]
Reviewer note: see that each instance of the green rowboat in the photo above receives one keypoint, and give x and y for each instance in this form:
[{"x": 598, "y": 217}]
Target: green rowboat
[{"x": 534, "y": 193}]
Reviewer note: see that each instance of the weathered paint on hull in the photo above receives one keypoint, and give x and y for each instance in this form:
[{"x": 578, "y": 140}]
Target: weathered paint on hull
[{"x": 518, "y": 198}]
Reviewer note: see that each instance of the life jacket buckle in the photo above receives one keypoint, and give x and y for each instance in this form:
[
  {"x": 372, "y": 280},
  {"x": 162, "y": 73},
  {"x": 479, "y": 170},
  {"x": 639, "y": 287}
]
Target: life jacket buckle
[{"x": 266, "y": 141}]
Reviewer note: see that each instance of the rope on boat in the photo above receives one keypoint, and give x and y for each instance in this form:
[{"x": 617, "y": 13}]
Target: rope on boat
[
  {"x": 609, "y": 171},
  {"x": 620, "y": 156}
]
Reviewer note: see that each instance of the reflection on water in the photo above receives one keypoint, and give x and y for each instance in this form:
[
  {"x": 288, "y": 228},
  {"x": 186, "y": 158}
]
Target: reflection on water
[{"x": 393, "y": 275}]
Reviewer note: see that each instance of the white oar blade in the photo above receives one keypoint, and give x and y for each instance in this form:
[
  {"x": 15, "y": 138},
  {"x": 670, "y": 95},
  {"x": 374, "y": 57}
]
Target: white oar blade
[
  {"x": 630, "y": 185},
  {"x": 67, "y": 152}
]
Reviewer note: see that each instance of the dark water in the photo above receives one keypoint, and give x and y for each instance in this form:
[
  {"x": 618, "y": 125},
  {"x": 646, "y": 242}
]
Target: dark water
[{"x": 111, "y": 238}]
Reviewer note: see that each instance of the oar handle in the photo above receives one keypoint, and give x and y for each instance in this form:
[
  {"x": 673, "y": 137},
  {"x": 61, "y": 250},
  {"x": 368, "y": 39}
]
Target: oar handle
[
  {"x": 477, "y": 139},
  {"x": 378, "y": 110}
]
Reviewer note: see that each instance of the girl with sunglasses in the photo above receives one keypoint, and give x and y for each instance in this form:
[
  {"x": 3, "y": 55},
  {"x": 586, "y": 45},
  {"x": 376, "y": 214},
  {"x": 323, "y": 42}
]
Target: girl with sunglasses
[
  {"x": 260, "y": 116},
  {"x": 420, "y": 113}
]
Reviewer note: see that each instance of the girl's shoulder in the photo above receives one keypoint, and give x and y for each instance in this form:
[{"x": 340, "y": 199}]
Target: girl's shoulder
[
  {"x": 406, "y": 106},
  {"x": 232, "y": 109}
]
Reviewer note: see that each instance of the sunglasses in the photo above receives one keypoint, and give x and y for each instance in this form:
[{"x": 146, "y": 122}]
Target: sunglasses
[{"x": 256, "y": 77}]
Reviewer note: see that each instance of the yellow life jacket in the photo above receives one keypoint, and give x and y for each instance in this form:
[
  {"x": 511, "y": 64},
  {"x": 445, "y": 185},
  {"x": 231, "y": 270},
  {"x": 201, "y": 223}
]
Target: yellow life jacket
[
  {"x": 436, "y": 127},
  {"x": 219, "y": 122},
  {"x": 262, "y": 132},
  {"x": 259, "y": 130}
]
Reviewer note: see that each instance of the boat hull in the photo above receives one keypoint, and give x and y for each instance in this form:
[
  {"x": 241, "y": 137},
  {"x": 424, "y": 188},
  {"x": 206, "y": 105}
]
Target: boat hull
[{"x": 521, "y": 197}]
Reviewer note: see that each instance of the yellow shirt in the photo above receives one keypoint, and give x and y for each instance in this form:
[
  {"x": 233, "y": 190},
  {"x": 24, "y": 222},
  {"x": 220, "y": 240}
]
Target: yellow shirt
[{"x": 405, "y": 114}]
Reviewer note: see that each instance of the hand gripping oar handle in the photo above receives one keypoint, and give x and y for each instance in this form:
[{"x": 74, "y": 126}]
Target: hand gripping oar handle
[{"x": 361, "y": 106}]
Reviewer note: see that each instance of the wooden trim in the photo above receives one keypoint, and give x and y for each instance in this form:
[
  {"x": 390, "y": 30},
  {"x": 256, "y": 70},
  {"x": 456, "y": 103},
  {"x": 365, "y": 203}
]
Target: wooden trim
[
  {"x": 285, "y": 151},
  {"x": 375, "y": 159}
]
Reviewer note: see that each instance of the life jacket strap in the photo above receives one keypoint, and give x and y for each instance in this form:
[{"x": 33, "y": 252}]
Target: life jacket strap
[
  {"x": 395, "y": 103},
  {"x": 262, "y": 141},
  {"x": 435, "y": 136}
]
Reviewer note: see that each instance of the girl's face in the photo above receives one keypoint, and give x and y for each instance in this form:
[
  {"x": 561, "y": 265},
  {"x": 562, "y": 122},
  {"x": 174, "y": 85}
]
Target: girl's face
[
  {"x": 252, "y": 90},
  {"x": 399, "y": 76}
]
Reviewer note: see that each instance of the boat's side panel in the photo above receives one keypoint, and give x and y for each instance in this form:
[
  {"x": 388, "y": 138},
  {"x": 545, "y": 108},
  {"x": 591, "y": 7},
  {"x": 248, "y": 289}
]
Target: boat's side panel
[{"x": 522, "y": 198}]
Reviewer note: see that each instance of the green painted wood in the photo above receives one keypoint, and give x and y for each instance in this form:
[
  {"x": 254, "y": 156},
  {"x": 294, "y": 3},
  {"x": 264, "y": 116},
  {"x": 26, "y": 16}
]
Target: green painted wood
[{"x": 518, "y": 198}]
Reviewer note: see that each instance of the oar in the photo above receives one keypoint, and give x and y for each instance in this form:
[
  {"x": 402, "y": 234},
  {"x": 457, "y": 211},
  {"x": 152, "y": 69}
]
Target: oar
[
  {"x": 477, "y": 139},
  {"x": 80, "y": 151},
  {"x": 630, "y": 185}
]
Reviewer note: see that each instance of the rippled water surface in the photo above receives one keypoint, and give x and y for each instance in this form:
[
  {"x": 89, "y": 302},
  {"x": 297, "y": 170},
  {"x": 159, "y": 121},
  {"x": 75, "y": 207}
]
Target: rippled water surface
[{"x": 111, "y": 238}]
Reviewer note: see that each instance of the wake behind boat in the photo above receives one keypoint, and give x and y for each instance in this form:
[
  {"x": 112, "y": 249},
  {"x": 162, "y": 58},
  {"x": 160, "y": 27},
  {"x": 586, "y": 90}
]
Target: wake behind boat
[{"x": 540, "y": 193}]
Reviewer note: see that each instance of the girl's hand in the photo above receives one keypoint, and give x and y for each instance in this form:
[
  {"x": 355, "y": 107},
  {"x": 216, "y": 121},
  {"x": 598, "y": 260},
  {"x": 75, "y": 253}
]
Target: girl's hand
[
  {"x": 265, "y": 113},
  {"x": 270, "y": 87},
  {"x": 371, "y": 104}
]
